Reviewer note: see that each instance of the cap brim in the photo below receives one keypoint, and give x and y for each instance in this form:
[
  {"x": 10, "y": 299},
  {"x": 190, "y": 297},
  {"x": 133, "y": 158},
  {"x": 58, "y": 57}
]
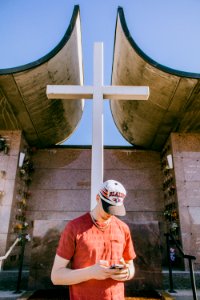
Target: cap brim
[{"x": 113, "y": 209}]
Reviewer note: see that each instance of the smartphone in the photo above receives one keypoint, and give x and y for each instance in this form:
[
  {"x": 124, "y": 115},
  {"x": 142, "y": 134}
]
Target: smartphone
[{"x": 117, "y": 266}]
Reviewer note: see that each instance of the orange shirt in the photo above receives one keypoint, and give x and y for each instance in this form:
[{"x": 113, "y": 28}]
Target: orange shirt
[{"x": 84, "y": 245}]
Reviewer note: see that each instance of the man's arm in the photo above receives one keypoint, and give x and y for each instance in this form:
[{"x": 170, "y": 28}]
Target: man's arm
[{"x": 62, "y": 275}]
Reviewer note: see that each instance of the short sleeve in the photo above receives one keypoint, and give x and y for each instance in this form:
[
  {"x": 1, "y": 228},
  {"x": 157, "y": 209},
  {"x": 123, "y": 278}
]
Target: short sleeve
[
  {"x": 66, "y": 245},
  {"x": 129, "y": 251}
]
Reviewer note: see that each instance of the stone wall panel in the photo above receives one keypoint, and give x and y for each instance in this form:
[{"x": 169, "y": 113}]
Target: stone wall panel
[{"x": 186, "y": 157}]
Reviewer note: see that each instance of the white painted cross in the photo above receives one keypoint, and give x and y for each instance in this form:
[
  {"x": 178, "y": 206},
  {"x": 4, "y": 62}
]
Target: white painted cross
[{"x": 98, "y": 92}]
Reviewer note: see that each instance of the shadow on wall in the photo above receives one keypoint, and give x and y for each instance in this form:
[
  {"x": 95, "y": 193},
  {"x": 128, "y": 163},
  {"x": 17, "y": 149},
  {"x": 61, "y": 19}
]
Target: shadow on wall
[
  {"x": 42, "y": 256},
  {"x": 146, "y": 238}
]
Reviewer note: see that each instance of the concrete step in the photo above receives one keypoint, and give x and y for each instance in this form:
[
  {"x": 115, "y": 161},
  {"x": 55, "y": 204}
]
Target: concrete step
[
  {"x": 62, "y": 294},
  {"x": 10, "y": 295},
  {"x": 8, "y": 280},
  {"x": 181, "y": 280},
  {"x": 184, "y": 295},
  {"x": 179, "y": 295}
]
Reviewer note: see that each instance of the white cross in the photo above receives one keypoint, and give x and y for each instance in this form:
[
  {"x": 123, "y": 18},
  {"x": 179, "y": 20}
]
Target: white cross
[{"x": 98, "y": 92}]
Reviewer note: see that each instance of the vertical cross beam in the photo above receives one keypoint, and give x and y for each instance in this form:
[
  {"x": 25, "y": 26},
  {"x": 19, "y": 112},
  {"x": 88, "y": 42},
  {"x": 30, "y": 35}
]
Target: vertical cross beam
[{"x": 97, "y": 121}]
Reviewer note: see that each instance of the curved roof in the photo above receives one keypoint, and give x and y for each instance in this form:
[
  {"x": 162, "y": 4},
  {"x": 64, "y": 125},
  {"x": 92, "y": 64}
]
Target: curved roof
[
  {"x": 24, "y": 104},
  {"x": 174, "y": 102}
]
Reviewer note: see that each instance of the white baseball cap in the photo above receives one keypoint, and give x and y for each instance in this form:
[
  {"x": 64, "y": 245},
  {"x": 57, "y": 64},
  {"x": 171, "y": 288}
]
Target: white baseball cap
[{"x": 112, "y": 194}]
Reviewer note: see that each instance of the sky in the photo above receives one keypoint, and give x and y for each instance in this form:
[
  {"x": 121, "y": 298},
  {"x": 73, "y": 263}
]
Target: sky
[{"x": 166, "y": 30}]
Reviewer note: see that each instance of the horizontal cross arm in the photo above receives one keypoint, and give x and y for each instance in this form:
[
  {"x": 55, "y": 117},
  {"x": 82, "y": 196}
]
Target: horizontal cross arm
[
  {"x": 69, "y": 92},
  {"x": 126, "y": 92},
  {"x": 108, "y": 92}
]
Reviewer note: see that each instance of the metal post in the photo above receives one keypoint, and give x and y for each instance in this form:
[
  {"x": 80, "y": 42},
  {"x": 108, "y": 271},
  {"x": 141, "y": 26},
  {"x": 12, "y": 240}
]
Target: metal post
[
  {"x": 194, "y": 290},
  {"x": 171, "y": 290},
  {"x": 23, "y": 241}
]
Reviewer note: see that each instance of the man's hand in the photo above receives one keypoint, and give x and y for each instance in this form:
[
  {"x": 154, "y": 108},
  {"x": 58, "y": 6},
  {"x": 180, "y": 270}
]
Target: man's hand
[
  {"x": 122, "y": 274},
  {"x": 100, "y": 270}
]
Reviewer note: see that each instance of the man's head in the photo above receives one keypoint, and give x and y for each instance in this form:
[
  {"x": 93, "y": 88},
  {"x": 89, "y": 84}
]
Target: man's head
[{"x": 112, "y": 194}]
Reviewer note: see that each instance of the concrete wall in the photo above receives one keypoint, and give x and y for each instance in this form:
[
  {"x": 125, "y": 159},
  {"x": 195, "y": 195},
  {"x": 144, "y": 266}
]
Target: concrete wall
[
  {"x": 61, "y": 182},
  {"x": 60, "y": 190},
  {"x": 8, "y": 171},
  {"x": 186, "y": 157},
  {"x": 13, "y": 186}
]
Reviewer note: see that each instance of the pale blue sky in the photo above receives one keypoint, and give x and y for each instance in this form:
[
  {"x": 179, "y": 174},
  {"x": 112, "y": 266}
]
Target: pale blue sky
[{"x": 166, "y": 30}]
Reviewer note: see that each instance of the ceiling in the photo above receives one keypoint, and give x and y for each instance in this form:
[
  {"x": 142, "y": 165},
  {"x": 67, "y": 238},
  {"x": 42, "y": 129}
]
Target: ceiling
[
  {"x": 174, "y": 101},
  {"x": 24, "y": 104}
]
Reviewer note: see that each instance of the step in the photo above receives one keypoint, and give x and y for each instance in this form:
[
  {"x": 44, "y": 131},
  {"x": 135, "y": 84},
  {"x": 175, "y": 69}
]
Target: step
[
  {"x": 10, "y": 295},
  {"x": 61, "y": 294},
  {"x": 181, "y": 280},
  {"x": 179, "y": 295},
  {"x": 184, "y": 295},
  {"x": 8, "y": 280}
]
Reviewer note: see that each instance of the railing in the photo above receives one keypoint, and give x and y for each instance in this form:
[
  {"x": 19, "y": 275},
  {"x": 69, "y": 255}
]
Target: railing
[
  {"x": 2, "y": 258},
  {"x": 23, "y": 238},
  {"x": 190, "y": 262}
]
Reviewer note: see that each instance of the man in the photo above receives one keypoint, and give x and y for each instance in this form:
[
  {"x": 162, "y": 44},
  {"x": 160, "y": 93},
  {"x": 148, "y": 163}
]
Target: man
[{"x": 90, "y": 247}]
